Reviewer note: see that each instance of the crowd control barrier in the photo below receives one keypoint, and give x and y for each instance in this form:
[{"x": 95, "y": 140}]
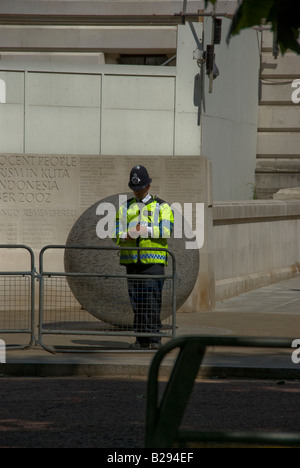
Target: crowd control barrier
[
  {"x": 165, "y": 412},
  {"x": 89, "y": 309},
  {"x": 17, "y": 290}
]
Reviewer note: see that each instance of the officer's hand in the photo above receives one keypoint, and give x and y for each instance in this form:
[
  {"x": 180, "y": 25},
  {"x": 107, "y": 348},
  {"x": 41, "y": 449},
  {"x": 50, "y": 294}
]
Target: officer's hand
[
  {"x": 137, "y": 231},
  {"x": 133, "y": 233},
  {"x": 143, "y": 231}
]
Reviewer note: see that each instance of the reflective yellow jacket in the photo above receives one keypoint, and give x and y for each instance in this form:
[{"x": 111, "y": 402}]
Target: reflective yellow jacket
[{"x": 157, "y": 215}]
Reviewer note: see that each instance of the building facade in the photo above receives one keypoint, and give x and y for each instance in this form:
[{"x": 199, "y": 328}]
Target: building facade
[{"x": 75, "y": 87}]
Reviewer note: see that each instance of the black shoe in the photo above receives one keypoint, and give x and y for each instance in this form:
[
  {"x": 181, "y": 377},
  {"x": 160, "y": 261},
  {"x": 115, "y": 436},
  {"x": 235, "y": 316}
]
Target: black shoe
[
  {"x": 138, "y": 345},
  {"x": 155, "y": 345}
]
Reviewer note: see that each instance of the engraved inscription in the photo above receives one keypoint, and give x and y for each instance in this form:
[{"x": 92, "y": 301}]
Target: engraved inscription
[
  {"x": 33, "y": 178},
  {"x": 99, "y": 176},
  {"x": 42, "y": 196},
  {"x": 38, "y": 198}
]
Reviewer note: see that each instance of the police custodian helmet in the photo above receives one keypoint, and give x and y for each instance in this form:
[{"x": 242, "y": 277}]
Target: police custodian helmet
[{"x": 139, "y": 178}]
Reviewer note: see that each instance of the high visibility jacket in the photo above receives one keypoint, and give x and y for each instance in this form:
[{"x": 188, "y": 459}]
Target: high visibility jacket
[{"x": 157, "y": 215}]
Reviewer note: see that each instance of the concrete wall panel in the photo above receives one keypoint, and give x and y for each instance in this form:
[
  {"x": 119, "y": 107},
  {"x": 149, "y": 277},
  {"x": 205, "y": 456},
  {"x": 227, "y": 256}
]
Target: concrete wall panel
[
  {"x": 61, "y": 89},
  {"x": 65, "y": 130},
  {"x": 279, "y": 143},
  {"x": 276, "y": 91},
  {"x": 138, "y": 115},
  {"x": 139, "y": 92},
  {"x": 272, "y": 67},
  {"x": 62, "y": 113},
  {"x": 12, "y": 111},
  {"x": 137, "y": 132},
  {"x": 279, "y": 117},
  {"x": 256, "y": 243},
  {"x": 229, "y": 123}
]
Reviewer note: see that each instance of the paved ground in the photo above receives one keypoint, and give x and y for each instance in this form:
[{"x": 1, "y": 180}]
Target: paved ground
[
  {"x": 98, "y": 400},
  {"x": 110, "y": 413},
  {"x": 272, "y": 311}
]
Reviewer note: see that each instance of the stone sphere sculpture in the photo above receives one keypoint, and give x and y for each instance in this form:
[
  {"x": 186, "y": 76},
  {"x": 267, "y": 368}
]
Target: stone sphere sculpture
[{"x": 106, "y": 297}]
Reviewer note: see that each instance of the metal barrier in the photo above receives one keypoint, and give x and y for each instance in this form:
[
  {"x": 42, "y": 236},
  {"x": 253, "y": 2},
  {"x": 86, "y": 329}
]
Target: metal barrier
[
  {"x": 17, "y": 301},
  {"x": 89, "y": 304},
  {"x": 163, "y": 417}
]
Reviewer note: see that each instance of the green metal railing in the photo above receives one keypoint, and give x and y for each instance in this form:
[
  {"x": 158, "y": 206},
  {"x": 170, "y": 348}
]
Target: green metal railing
[
  {"x": 17, "y": 299},
  {"x": 164, "y": 415},
  {"x": 49, "y": 324}
]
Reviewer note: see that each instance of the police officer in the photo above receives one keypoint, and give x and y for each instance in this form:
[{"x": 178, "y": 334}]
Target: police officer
[{"x": 144, "y": 221}]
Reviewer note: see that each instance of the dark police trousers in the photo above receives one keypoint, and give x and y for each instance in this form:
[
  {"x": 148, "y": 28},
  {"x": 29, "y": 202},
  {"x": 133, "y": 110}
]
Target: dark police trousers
[{"x": 145, "y": 297}]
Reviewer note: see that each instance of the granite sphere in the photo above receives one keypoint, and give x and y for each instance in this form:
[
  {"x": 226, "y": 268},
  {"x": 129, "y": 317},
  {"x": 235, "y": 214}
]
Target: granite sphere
[{"x": 106, "y": 297}]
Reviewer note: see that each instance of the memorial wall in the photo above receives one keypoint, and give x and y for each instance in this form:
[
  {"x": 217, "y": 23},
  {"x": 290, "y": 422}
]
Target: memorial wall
[{"x": 42, "y": 196}]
